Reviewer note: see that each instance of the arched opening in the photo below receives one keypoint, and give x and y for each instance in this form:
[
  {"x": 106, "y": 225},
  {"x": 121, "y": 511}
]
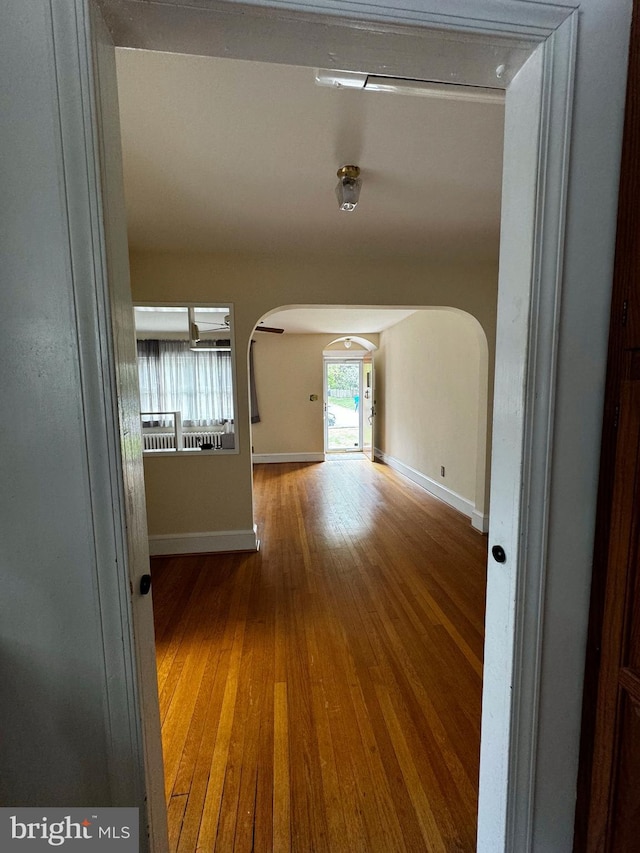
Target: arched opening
[{"x": 433, "y": 398}]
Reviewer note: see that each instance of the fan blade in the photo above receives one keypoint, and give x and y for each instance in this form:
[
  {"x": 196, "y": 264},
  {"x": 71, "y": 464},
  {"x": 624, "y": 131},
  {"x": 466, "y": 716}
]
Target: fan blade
[{"x": 269, "y": 329}]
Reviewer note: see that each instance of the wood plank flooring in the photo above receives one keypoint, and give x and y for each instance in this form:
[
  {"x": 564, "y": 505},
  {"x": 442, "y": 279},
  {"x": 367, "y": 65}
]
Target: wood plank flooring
[{"x": 324, "y": 694}]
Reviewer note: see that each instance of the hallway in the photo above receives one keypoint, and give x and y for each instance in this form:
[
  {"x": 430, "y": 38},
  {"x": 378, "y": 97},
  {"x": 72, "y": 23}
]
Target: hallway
[{"x": 324, "y": 693}]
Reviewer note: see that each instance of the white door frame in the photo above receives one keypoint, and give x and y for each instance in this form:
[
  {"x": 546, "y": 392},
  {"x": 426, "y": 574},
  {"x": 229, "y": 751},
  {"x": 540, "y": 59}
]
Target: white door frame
[
  {"x": 538, "y": 130},
  {"x": 370, "y": 404}
]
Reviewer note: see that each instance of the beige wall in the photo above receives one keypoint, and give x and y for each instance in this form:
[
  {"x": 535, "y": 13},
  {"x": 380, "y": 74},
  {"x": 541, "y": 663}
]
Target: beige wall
[
  {"x": 288, "y": 371},
  {"x": 431, "y": 388},
  {"x": 213, "y": 493}
]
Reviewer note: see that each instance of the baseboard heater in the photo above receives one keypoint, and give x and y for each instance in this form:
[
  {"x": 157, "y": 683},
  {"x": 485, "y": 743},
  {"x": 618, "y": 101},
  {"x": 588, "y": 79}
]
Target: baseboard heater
[{"x": 167, "y": 440}]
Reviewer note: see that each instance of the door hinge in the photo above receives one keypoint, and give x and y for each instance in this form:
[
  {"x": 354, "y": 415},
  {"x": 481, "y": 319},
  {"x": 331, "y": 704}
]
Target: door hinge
[{"x": 625, "y": 307}]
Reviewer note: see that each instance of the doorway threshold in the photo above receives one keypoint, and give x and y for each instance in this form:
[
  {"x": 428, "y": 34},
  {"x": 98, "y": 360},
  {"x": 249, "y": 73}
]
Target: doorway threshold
[{"x": 334, "y": 455}]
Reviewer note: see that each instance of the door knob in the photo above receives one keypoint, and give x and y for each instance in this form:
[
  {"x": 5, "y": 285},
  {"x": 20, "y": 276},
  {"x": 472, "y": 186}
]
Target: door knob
[
  {"x": 498, "y": 554},
  {"x": 145, "y": 584}
]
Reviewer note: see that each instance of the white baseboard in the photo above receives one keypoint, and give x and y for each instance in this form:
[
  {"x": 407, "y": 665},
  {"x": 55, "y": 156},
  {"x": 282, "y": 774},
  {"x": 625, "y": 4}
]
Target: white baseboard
[
  {"x": 204, "y": 543},
  {"x": 288, "y": 457},
  {"x": 453, "y": 499},
  {"x": 479, "y": 521}
]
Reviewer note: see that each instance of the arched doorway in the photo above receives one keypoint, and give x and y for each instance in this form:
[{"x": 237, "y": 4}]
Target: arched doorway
[{"x": 433, "y": 396}]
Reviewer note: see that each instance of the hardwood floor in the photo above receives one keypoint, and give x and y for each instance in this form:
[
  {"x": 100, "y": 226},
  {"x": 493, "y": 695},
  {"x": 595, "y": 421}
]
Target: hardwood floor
[{"x": 324, "y": 694}]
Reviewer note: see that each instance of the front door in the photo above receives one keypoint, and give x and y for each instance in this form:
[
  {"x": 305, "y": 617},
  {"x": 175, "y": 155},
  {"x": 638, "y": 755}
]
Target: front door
[{"x": 342, "y": 409}]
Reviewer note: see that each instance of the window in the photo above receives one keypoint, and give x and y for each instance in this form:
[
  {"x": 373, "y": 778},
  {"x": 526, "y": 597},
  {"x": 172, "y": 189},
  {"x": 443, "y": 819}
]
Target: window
[{"x": 185, "y": 371}]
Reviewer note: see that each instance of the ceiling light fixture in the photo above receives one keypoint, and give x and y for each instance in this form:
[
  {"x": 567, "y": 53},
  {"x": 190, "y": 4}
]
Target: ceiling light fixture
[
  {"x": 400, "y": 86},
  {"x": 348, "y": 189},
  {"x": 348, "y": 342}
]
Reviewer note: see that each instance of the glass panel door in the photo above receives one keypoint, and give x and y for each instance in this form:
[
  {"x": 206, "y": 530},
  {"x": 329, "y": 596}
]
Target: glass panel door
[{"x": 343, "y": 412}]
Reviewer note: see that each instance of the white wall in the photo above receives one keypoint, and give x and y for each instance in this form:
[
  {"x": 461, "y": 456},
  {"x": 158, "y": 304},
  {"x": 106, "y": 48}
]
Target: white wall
[
  {"x": 288, "y": 371},
  {"x": 431, "y": 392},
  {"x": 209, "y": 494}
]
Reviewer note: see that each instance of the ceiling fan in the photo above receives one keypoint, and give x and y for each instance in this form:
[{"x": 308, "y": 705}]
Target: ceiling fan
[
  {"x": 272, "y": 329},
  {"x": 198, "y": 343}
]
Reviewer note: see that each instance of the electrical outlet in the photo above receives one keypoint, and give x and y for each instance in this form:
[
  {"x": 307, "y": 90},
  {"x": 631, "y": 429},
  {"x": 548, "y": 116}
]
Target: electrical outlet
[{"x": 442, "y": 470}]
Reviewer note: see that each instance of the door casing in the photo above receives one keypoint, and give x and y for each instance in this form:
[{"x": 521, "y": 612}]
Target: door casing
[{"x": 368, "y": 404}]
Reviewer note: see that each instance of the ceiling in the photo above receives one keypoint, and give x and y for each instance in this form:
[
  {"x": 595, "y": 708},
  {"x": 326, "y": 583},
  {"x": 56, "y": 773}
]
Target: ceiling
[
  {"x": 226, "y": 155},
  {"x": 340, "y": 321},
  {"x": 174, "y": 319}
]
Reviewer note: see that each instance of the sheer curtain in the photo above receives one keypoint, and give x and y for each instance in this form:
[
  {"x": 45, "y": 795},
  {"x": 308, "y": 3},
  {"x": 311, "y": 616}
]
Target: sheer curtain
[{"x": 172, "y": 378}]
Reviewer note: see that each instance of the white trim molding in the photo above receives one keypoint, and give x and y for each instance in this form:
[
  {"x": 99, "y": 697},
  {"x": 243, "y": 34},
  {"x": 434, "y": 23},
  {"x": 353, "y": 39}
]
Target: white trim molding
[
  {"x": 212, "y": 542},
  {"x": 262, "y": 458},
  {"x": 480, "y": 521},
  {"x": 447, "y": 496}
]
